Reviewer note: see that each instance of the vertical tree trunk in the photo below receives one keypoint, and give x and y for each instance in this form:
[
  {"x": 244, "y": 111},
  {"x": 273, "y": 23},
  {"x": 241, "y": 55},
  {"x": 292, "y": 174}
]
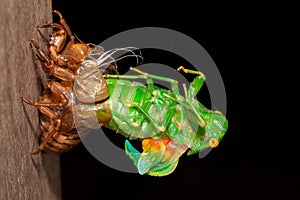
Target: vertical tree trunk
[{"x": 23, "y": 176}]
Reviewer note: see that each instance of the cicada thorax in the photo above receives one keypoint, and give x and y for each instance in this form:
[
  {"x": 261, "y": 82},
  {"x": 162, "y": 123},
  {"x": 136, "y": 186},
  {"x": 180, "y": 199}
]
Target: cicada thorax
[
  {"x": 89, "y": 85},
  {"x": 91, "y": 90},
  {"x": 72, "y": 55}
]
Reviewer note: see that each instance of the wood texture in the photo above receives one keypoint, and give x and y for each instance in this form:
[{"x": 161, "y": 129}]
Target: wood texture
[{"x": 23, "y": 176}]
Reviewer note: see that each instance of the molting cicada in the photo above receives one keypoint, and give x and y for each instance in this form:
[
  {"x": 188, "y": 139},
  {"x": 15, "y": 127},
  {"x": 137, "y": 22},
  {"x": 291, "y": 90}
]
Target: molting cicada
[{"x": 86, "y": 84}]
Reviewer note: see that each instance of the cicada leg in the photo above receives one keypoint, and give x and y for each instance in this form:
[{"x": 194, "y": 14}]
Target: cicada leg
[
  {"x": 197, "y": 83},
  {"x": 192, "y": 90},
  {"x": 50, "y": 25},
  {"x": 65, "y": 25},
  {"x": 44, "y": 108},
  {"x": 154, "y": 122},
  {"x": 62, "y": 27},
  {"x": 56, "y": 90},
  {"x": 148, "y": 77},
  {"x": 57, "y": 124},
  {"x": 50, "y": 67},
  {"x": 53, "y": 97},
  {"x": 61, "y": 54}
]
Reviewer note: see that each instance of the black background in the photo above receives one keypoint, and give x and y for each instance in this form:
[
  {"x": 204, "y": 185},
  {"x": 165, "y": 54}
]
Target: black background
[{"x": 255, "y": 46}]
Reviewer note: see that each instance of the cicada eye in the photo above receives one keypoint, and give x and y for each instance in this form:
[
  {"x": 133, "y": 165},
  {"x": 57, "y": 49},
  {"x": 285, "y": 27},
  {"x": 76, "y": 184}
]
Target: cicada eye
[{"x": 213, "y": 142}]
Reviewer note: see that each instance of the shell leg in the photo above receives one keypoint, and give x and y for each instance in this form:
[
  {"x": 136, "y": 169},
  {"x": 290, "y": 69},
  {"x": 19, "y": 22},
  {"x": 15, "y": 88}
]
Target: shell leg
[
  {"x": 57, "y": 125},
  {"x": 49, "y": 66},
  {"x": 197, "y": 83},
  {"x": 57, "y": 91}
]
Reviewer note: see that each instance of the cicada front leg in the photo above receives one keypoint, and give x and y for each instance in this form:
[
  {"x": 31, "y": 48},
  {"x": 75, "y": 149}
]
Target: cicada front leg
[
  {"x": 156, "y": 125},
  {"x": 50, "y": 68},
  {"x": 196, "y": 85},
  {"x": 59, "y": 99},
  {"x": 58, "y": 38},
  {"x": 192, "y": 90}
]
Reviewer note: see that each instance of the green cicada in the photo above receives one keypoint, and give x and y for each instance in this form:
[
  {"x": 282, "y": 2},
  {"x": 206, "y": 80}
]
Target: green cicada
[{"x": 168, "y": 123}]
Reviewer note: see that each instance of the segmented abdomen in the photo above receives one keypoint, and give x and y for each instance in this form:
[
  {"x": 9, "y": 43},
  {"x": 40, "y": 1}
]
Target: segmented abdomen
[
  {"x": 61, "y": 141},
  {"x": 139, "y": 111},
  {"x": 66, "y": 137}
]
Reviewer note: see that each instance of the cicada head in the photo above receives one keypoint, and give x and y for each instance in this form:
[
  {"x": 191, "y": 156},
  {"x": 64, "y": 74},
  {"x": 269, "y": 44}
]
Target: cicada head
[
  {"x": 216, "y": 126},
  {"x": 211, "y": 134}
]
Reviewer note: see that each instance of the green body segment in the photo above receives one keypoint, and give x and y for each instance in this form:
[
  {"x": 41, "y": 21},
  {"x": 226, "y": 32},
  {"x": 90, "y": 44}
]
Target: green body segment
[
  {"x": 139, "y": 111},
  {"x": 168, "y": 123}
]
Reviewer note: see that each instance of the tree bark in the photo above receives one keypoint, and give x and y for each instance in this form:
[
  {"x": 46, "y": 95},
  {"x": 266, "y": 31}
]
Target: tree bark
[{"x": 23, "y": 176}]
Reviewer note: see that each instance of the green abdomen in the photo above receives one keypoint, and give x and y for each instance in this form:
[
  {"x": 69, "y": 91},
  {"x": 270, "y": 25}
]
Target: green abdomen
[{"x": 128, "y": 118}]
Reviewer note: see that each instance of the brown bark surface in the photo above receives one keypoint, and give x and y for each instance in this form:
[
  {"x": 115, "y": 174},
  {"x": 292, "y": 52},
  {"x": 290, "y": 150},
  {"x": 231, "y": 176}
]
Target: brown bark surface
[{"x": 23, "y": 176}]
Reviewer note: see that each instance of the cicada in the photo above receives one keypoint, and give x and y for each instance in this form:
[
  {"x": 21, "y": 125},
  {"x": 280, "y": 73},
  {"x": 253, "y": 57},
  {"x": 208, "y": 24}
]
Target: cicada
[
  {"x": 168, "y": 123},
  {"x": 85, "y": 84}
]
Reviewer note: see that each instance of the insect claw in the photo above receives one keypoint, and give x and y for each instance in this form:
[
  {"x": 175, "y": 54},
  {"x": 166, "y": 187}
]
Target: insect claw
[
  {"x": 36, "y": 152},
  {"x": 188, "y": 71},
  {"x": 26, "y": 101},
  {"x": 34, "y": 43},
  {"x": 138, "y": 71},
  {"x": 58, "y": 13},
  {"x": 181, "y": 68},
  {"x": 185, "y": 91},
  {"x": 219, "y": 112}
]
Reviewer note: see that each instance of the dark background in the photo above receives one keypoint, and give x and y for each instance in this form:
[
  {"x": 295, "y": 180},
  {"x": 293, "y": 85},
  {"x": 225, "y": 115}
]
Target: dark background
[{"x": 255, "y": 46}]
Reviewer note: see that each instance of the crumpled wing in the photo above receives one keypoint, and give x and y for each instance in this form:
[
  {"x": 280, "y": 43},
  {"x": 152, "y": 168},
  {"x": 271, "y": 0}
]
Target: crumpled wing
[{"x": 159, "y": 157}]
